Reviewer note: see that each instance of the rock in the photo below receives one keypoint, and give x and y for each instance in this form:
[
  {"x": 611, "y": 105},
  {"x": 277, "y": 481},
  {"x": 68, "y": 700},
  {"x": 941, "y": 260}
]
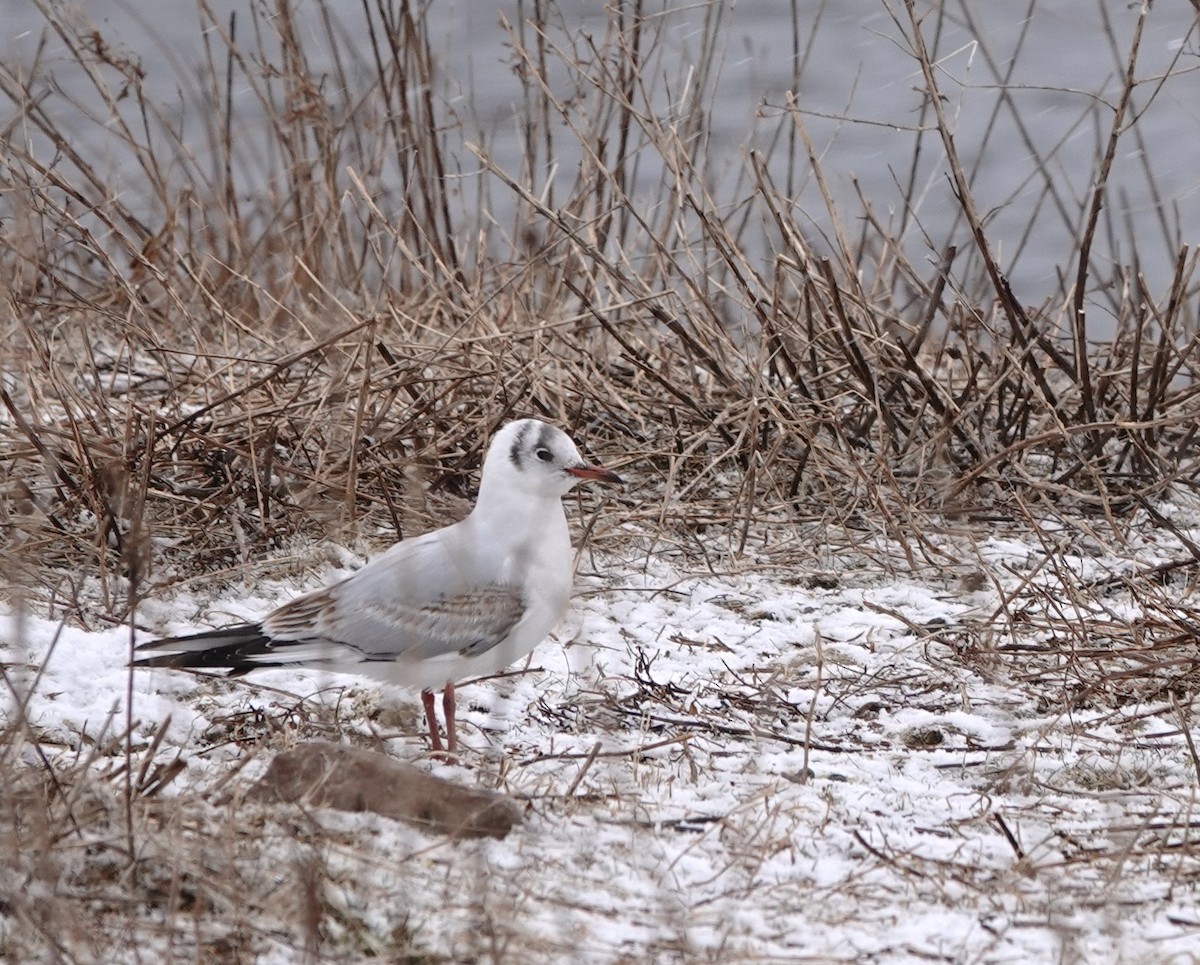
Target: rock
[{"x": 321, "y": 774}]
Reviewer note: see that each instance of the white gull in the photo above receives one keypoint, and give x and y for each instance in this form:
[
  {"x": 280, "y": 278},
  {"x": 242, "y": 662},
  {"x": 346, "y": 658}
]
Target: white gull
[{"x": 468, "y": 599}]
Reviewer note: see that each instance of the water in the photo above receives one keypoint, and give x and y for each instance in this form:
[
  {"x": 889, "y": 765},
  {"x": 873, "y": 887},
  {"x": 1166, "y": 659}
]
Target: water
[{"x": 1060, "y": 65}]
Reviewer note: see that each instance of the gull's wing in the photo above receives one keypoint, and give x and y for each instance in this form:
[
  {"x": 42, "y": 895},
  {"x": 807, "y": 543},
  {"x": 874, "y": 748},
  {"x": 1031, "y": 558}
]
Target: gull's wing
[
  {"x": 426, "y": 598},
  {"x": 429, "y": 599},
  {"x": 467, "y": 622}
]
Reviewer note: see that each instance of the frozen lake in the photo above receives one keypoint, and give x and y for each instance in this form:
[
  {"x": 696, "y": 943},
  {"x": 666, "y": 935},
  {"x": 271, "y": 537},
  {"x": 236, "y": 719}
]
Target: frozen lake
[{"x": 1030, "y": 97}]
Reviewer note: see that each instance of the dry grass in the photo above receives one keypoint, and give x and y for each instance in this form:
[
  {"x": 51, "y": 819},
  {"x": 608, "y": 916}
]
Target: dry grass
[{"x": 297, "y": 326}]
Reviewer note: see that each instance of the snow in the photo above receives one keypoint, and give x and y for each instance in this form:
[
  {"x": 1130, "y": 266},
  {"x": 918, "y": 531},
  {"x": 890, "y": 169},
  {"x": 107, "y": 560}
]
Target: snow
[{"x": 783, "y": 773}]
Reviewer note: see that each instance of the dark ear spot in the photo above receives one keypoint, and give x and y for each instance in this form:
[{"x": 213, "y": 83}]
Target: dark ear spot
[{"x": 514, "y": 453}]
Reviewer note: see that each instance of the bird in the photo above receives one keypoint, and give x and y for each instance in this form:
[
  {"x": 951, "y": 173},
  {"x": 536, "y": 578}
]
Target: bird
[{"x": 470, "y": 598}]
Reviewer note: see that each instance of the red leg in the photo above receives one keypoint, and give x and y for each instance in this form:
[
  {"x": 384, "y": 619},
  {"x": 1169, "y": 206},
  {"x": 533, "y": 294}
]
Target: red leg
[
  {"x": 448, "y": 710},
  {"x": 435, "y": 742}
]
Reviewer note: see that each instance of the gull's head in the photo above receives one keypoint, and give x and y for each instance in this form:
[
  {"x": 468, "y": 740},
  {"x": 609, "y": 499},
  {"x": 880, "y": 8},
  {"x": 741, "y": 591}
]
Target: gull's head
[{"x": 532, "y": 457}]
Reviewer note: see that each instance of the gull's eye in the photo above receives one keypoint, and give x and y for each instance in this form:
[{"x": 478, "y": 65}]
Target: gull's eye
[{"x": 544, "y": 454}]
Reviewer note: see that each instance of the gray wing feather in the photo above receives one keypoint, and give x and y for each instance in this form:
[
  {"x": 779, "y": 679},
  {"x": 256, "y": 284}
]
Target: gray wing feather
[
  {"x": 469, "y": 623},
  {"x": 422, "y": 600}
]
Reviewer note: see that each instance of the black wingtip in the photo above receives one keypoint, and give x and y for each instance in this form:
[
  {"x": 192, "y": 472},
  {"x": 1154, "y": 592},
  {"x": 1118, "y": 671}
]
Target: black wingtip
[
  {"x": 238, "y": 633},
  {"x": 224, "y": 649}
]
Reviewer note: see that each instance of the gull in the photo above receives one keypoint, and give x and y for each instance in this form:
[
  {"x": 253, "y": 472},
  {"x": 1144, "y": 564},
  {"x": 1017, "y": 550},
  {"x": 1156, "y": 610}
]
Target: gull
[{"x": 468, "y": 599}]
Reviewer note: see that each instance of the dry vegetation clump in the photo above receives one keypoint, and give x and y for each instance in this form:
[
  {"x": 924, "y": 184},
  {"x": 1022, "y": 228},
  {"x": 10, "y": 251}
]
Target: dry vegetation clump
[
  {"x": 294, "y": 329},
  {"x": 289, "y": 305}
]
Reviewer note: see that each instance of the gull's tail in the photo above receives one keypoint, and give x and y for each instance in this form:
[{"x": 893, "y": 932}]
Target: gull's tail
[{"x": 238, "y": 650}]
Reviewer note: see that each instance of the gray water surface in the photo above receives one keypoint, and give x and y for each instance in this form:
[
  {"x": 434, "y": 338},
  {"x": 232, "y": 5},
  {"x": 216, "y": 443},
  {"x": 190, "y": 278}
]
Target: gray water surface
[{"x": 1060, "y": 65}]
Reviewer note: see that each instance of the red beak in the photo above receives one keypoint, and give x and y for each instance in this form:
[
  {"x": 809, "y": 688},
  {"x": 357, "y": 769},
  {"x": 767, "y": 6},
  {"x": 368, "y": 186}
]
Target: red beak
[{"x": 598, "y": 473}]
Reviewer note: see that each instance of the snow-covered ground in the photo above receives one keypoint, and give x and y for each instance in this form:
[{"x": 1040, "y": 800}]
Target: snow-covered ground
[{"x": 759, "y": 766}]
